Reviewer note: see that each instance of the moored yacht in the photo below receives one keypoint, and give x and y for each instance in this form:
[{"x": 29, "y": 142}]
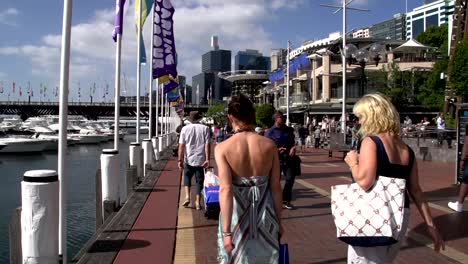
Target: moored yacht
[{"x": 23, "y": 145}]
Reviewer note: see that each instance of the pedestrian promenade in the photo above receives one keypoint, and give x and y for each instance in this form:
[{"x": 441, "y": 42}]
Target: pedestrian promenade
[{"x": 175, "y": 234}]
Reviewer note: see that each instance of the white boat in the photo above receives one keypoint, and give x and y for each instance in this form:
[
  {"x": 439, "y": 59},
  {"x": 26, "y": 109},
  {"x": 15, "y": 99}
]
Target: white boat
[
  {"x": 23, "y": 145},
  {"x": 2, "y": 145},
  {"x": 77, "y": 137}
]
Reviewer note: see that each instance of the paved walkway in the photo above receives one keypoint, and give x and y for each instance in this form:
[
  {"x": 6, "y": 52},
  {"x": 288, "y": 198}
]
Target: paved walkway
[
  {"x": 310, "y": 231},
  {"x": 165, "y": 232}
]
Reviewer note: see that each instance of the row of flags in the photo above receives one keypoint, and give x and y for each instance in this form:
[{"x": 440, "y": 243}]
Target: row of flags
[
  {"x": 29, "y": 90},
  {"x": 44, "y": 90},
  {"x": 164, "y": 59}
]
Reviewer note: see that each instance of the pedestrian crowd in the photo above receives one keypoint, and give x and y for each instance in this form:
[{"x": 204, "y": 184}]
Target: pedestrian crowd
[{"x": 251, "y": 161}]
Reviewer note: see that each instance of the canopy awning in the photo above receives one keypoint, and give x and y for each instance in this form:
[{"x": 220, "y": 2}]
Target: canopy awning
[{"x": 411, "y": 46}]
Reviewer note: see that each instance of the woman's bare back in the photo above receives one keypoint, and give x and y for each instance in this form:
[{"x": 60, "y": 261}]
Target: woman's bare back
[{"x": 248, "y": 154}]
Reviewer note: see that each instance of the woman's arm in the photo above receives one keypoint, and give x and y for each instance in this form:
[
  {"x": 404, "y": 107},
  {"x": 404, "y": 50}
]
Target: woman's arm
[
  {"x": 364, "y": 166},
  {"x": 275, "y": 185},
  {"x": 225, "y": 188}
]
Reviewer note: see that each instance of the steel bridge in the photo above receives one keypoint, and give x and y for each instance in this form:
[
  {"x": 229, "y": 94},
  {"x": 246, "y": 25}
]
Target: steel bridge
[{"x": 89, "y": 110}]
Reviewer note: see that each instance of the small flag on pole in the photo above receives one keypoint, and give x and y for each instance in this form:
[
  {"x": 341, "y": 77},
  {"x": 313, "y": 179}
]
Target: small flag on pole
[
  {"x": 118, "y": 25},
  {"x": 14, "y": 87},
  {"x": 1, "y": 87}
]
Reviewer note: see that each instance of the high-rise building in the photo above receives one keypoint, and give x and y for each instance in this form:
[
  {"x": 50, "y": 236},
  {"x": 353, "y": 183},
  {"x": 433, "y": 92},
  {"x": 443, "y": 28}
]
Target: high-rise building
[
  {"x": 200, "y": 87},
  {"x": 278, "y": 58},
  {"x": 251, "y": 60},
  {"x": 394, "y": 28},
  {"x": 216, "y": 61},
  {"x": 435, "y": 13}
]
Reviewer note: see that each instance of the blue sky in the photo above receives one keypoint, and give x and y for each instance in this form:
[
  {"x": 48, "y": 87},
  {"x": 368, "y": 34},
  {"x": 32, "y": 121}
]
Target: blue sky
[{"x": 30, "y": 37}]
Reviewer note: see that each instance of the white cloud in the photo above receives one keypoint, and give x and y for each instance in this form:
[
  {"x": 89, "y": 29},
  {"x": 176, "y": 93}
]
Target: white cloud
[
  {"x": 8, "y": 16},
  {"x": 239, "y": 25}
]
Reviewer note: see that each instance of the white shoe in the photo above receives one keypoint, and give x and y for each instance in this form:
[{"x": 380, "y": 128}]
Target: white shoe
[{"x": 456, "y": 206}]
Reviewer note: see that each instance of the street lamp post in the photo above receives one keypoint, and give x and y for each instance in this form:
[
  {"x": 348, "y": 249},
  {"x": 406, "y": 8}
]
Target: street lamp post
[
  {"x": 343, "y": 8},
  {"x": 363, "y": 56},
  {"x": 287, "y": 83}
]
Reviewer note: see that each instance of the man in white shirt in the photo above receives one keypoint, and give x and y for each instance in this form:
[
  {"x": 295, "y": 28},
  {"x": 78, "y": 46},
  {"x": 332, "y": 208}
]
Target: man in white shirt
[
  {"x": 194, "y": 155},
  {"x": 440, "y": 128}
]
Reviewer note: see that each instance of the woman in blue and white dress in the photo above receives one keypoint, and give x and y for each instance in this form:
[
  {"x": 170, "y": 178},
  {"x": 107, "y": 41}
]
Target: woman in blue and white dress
[{"x": 250, "y": 191}]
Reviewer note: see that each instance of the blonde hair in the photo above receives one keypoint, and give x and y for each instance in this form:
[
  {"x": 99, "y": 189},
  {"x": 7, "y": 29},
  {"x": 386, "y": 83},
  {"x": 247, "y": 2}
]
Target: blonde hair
[{"x": 377, "y": 115}]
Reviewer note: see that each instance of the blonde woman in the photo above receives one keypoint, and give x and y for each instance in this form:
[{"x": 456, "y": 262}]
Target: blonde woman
[{"x": 384, "y": 153}]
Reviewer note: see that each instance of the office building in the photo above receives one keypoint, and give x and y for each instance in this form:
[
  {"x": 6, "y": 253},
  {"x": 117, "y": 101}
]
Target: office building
[
  {"x": 394, "y": 28},
  {"x": 361, "y": 33},
  {"x": 435, "y": 13},
  {"x": 216, "y": 61},
  {"x": 200, "y": 87},
  {"x": 251, "y": 60}
]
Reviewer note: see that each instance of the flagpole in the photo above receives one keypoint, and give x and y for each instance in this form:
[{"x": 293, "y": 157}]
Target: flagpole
[
  {"x": 138, "y": 76},
  {"x": 118, "y": 51},
  {"x": 150, "y": 130},
  {"x": 167, "y": 113},
  {"x": 63, "y": 120},
  {"x": 162, "y": 111}
]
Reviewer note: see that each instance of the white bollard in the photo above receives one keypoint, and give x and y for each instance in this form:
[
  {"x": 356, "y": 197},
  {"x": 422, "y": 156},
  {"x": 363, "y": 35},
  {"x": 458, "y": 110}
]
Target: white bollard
[
  {"x": 111, "y": 179},
  {"x": 40, "y": 216},
  {"x": 161, "y": 143},
  {"x": 136, "y": 158},
  {"x": 155, "y": 142},
  {"x": 147, "y": 154},
  {"x": 168, "y": 140}
]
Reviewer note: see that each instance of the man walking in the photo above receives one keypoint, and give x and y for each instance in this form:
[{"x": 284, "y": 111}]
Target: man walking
[
  {"x": 194, "y": 155},
  {"x": 283, "y": 136}
]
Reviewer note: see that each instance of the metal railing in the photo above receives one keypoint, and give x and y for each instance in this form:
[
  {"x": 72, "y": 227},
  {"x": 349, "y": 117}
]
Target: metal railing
[{"x": 423, "y": 134}]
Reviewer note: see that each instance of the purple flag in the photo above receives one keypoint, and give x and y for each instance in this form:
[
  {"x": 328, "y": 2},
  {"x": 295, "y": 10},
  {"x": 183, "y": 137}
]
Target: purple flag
[
  {"x": 165, "y": 57},
  {"x": 170, "y": 85},
  {"x": 118, "y": 25}
]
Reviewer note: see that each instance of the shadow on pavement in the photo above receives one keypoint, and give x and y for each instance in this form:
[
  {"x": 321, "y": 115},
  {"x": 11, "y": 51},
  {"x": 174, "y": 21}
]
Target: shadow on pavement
[{"x": 452, "y": 226}]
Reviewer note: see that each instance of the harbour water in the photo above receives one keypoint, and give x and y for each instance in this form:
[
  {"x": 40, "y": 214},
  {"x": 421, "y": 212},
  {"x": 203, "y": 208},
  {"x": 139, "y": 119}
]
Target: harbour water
[{"x": 83, "y": 161}]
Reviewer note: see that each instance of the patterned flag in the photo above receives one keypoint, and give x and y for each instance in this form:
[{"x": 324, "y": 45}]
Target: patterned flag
[
  {"x": 56, "y": 91},
  {"x": 118, "y": 24},
  {"x": 173, "y": 96},
  {"x": 20, "y": 91},
  {"x": 145, "y": 10},
  {"x": 170, "y": 85},
  {"x": 14, "y": 87},
  {"x": 1, "y": 87},
  {"x": 165, "y": 55}
]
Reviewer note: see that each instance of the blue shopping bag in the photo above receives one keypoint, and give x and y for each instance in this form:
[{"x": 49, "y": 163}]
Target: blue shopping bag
[{"x": 284, "y": 254}]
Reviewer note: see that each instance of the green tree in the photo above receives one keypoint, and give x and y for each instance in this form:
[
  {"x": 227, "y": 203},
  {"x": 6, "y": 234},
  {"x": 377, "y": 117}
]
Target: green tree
[
  {"x": 432, "y": 91},
  {"x": 435, "y": 36},
  {"x": 218, "y": 113},
  {"x": 264, "y": 115},
  {"x": 459, "y": 69}
]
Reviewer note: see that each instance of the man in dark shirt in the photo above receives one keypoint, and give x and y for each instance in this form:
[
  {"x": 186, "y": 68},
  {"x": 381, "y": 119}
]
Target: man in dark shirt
[
  {"x": 303, "y": 133},
  {"x": 283, "y": 136}
]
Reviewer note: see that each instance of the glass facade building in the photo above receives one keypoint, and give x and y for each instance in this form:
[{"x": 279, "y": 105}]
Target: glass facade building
[
  {"x": 433, "y": 13},
  {"x": 394, "y": 28},
  {"x": 251, "y": 60},
  {"x": 216, "y": 61}
]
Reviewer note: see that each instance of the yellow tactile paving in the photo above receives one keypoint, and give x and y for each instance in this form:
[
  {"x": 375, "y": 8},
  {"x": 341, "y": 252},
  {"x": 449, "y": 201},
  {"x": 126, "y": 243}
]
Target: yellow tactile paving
[{"x": 185, "y": 240}]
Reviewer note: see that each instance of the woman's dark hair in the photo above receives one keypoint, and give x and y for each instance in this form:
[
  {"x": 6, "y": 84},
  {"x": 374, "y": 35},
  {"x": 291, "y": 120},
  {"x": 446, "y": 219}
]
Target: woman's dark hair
[{"x": 241, "y": 108}]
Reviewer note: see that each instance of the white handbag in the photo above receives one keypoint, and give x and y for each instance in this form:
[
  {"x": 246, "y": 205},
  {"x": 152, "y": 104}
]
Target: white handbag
[{"x": 372, "y": 218}]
